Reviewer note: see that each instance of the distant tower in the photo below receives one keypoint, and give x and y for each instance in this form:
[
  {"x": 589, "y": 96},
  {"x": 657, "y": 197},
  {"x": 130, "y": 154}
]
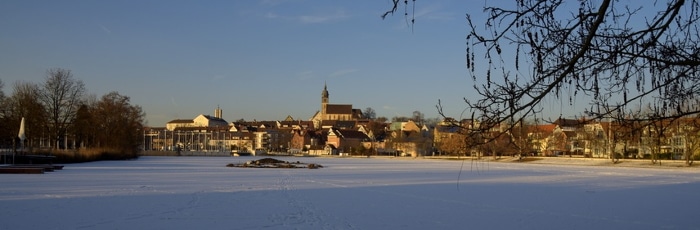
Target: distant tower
[
  {"x": 324, "y": 101},
  {"x": 218, "y": 113}
]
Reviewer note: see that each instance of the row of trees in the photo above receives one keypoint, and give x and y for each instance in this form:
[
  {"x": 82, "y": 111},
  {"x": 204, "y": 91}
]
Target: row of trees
[
  {"x": 462, "y": 138},
  {"x": 59, "y": 114},
  {"x": 635, "y": 137}
]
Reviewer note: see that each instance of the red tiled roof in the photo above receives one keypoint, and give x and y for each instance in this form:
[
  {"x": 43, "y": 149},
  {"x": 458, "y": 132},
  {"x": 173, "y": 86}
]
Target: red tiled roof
[
  {"x": 338, "y": 109},
  {"x": 544, "y": 128}
]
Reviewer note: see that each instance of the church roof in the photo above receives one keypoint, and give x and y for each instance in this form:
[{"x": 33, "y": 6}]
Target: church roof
[{"x": 338, "y": 109}]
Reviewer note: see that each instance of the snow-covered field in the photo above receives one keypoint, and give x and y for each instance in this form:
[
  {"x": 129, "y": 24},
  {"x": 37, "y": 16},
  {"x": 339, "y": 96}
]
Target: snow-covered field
[{"x": 349, "y": 193}]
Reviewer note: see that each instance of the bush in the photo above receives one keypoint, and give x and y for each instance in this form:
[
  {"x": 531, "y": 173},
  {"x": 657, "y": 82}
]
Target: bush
[{"x": 87, "y": 155}]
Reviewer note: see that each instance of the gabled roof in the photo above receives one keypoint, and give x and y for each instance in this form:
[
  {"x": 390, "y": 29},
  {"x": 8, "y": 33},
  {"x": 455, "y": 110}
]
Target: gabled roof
[
  {"x": 213, "y": 118},
  {"x": 295, "y": 124},
  {"x": 405, "y": 125},
  {"x": 411, "y": 135},
  {"x": 424, "y": 128},
  {"x": 350, "y": 134},
  {"x": 259, "y": 124},
  {"x": 311, "y": 134},
  {"x": 357, "y": 114},
  {"x": 316, "y": 114}
]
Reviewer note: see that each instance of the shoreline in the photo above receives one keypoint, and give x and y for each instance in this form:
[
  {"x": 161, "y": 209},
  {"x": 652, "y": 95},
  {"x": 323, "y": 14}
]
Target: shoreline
[
  {"x": 580, "y": 161},
  {"x": 564, "y": 160}
]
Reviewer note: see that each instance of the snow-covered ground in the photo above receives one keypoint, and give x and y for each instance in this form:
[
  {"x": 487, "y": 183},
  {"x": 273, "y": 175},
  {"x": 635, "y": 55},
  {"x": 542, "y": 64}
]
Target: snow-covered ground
[{"x": 349, "y": 193}]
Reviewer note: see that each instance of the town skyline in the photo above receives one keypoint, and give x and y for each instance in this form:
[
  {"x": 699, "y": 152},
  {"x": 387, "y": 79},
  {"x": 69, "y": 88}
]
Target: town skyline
[{"x": 219, "y": 112}]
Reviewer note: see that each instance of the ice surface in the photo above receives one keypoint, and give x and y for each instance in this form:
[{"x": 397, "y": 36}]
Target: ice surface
[{"x": 349, "y": 193}]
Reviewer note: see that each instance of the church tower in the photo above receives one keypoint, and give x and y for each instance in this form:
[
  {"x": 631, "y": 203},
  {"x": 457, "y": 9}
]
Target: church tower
[
  {"x": 218, "y": 113},
  {"x": 324, "y": 101}
]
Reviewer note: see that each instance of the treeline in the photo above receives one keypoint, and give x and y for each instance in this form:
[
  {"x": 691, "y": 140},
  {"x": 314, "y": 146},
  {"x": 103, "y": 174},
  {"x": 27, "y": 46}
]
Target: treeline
[{"x": 62, "y": 119}]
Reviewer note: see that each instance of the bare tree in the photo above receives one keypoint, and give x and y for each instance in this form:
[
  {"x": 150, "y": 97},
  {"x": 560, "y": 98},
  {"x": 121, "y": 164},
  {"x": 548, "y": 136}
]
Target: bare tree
[
  {"x": 399, "y": 119},
  {"x": 627, "y": 130},
  {"x": 120, "y": 125},
  {"x": 84, "y": 127},
  {"x": 656, "y": 131},
  {"x": 690, "y": 129},
  {"x": 61, "y": 96},
  {"x": 2, "y": 94},
  {"x": 453, "y": 144},
  {"x": 557, "y": 144},
  {"x": 418, "y": 117},
  {"x": 370, "y": 113},
  {"x": 378, "y": 129},
  {"x": 497, "y": 144},
  {"x": 615, "y": 52},
  {"x": 5, "y": 122},
  {"x": 521, "y": 140}
]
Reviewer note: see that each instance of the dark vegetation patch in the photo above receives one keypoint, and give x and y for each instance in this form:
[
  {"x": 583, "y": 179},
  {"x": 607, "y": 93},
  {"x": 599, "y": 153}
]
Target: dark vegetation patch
[
  {"x": 274, "y": 163},
  {"x": 53, "y": 156}
]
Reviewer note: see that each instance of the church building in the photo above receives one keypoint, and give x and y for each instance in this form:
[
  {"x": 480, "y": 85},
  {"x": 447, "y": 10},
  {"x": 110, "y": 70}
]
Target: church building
[{"x": 334, "y": 112}]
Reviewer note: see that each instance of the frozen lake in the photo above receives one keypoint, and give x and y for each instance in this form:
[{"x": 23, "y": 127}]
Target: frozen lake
[{"x": 349, "y": 193}]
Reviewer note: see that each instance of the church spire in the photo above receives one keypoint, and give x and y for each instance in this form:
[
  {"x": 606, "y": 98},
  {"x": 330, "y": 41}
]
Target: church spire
[
  {"x": 324, "y": 94},
  {"x": 324, "y": 103}
]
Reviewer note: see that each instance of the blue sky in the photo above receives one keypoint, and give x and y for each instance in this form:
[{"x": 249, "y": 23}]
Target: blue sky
[{"x": 259, "y": 60}]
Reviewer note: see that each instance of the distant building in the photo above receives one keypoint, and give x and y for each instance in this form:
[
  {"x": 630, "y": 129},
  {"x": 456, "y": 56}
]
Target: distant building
[
  {"x": 405, "y": 126},
  {"x": 199, "y": 121},
  {"x": 334, "y": 112},
  {"x": 343, "y": 140},
  {"x": 305, "y": 140}
]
